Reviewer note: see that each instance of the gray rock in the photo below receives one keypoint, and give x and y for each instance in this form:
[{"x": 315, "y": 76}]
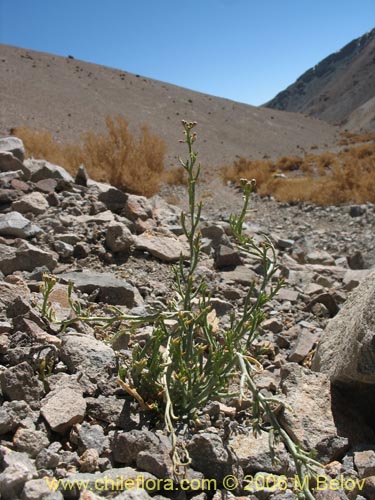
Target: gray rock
[
  {"x": 16, "y": 225},
  {"x": 356, "y": 261},
  {"x": 120, "y": 477},
  {"x": 320, "y": 257},
  {"x": 357, "y": 210},
  {"x": 107, "y": 409},
  {"x": 364, "y": 462},
  {"x": 241, "y": 275},
  {"x": 9, "y": 163},
  {"x": 118, "y": 237},
  {"x": 25, "y": 257},
  {"x": 346, "y": 351},
  {"x": 13, "y": 145},
  {"x": 47, "y": 458},
  {"x": 63, "y": 408},
  {"x": 88, "y": 436},
  {"x": 353, "y": 278},
  {"x": 86, "y": 354},
  {"x": 164, "y": 246},
  {"x": 12, "y": 413},
  {"x": 34, "y": 203},
  {"x": 226, "y": 257},
  {"x": 41, "y": 169},
  {"x": 20, "y": 383},
  {"x": 30, "y": 441},
  {"x": 327, "y": 300},
  {"x": 111, "y": 290},
  {"x": 137, "y": 207},
  {"x": 254, "y": 454},
  {"x": 149, "y": 451},
  {"x": 309, "y": 396},
  {"x": 303, "y": 345},
  {"x": 39, "y": 489},
  {"x": 113, "y": 198},
  {"x": 17, "y": 470},
  {"x": 211, "y": 457},
  {"x": 65, "y": 250},
  {"x": 273, "y": 325},
  {"x": 214, "y": 233}
]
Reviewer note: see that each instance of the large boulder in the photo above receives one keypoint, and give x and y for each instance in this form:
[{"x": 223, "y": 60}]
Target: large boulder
[{"x": 346, "y": 352}]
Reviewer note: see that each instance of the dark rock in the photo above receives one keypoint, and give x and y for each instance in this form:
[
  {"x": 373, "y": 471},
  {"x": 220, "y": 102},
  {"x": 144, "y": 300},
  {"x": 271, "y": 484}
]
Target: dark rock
[
  {"x": 226, "y": 257},
  {"x": 20, "y": 383},
  {"x": 12, "y": 413},
  {"x": 25, "y": 257},
  {"x": 111, "y": 290},
  {"x": 17, "y": 470},
  {"x": 149, "y": 451}
]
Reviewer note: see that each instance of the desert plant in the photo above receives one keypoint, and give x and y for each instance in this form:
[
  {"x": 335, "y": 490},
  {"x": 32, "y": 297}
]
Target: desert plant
[
  {"x": 133, "y": 162},
  {"x": 191, "y": 360}
]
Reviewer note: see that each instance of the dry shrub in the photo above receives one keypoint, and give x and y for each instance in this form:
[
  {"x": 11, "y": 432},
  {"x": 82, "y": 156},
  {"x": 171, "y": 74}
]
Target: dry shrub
[
  {"x": 134, "y": 163},
  {"x": 326, "y": 179},
  {"x": 176, "y": 177},
  {"x": 289, "y": 163}
]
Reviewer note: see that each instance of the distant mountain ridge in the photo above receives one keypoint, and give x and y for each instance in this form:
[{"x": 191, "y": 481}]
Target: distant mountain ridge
[
  {"x": 66, "y": 97},
  {"x": 340, "y": 89}
]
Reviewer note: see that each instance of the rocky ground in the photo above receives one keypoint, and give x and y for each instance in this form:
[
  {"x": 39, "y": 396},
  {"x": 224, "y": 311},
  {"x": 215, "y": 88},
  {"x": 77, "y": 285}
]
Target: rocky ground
[{"x": 64, "y": 415}]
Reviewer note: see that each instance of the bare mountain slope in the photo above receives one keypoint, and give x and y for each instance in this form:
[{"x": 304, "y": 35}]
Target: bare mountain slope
[
  {"x": 340, "y": 89},
  {"x": 67, "y": 96}
]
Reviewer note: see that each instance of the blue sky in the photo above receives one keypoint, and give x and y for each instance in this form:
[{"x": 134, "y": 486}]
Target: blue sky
[{"x": 246, "y": 50}]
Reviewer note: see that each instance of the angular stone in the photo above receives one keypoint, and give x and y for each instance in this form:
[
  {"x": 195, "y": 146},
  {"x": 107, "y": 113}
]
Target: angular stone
[
  {"x": 287, "y": 294},
  {"x": 148, "y": 451},
  {"x": 16, "y": 225},
  {"x": 13, "y": 145},
  {"x": 273, "y": 325},
  {"x": 303, "y": 345},
  {"x": 25, "y": 257},
  {"x": 34, "y": 203},
  {"x": 211, "y": 457},
  {"x": 226, "y": 257},
  {"x": 9, "y": 163},
  {"x": 254, "y": 454},
  {"x": 164, "y": 246},
  {"x": 30, "y": 441},
  {"x": 63, "y": 409},
  {"x": 309, "y": 396},
  {"x": 364, "y": 462},
  {"x": 100, "y": 218},
  {"x": 214, "y": 233},
  {"x": 85, "y": 353},
  {"x": 111, "y": 290},
  {"x": 11, "y": 415},
  {"x": 38, "y": 489},
  {"x": 41, "y": 169},
  {"x": 118, "y": 237},
  {"x": 121, "y": 477},
  {"x": 88, "y": 437},
  {"x": 114, "y": 199},
  {"x": 346, "y": 351},
  {"x": 20, "y": 383},
  {"x": 137, "y": 207},
  {"x": 241, "y": 275},
  {"x": 17, "y": 469},
  {"x": 320, "y": 257}
]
